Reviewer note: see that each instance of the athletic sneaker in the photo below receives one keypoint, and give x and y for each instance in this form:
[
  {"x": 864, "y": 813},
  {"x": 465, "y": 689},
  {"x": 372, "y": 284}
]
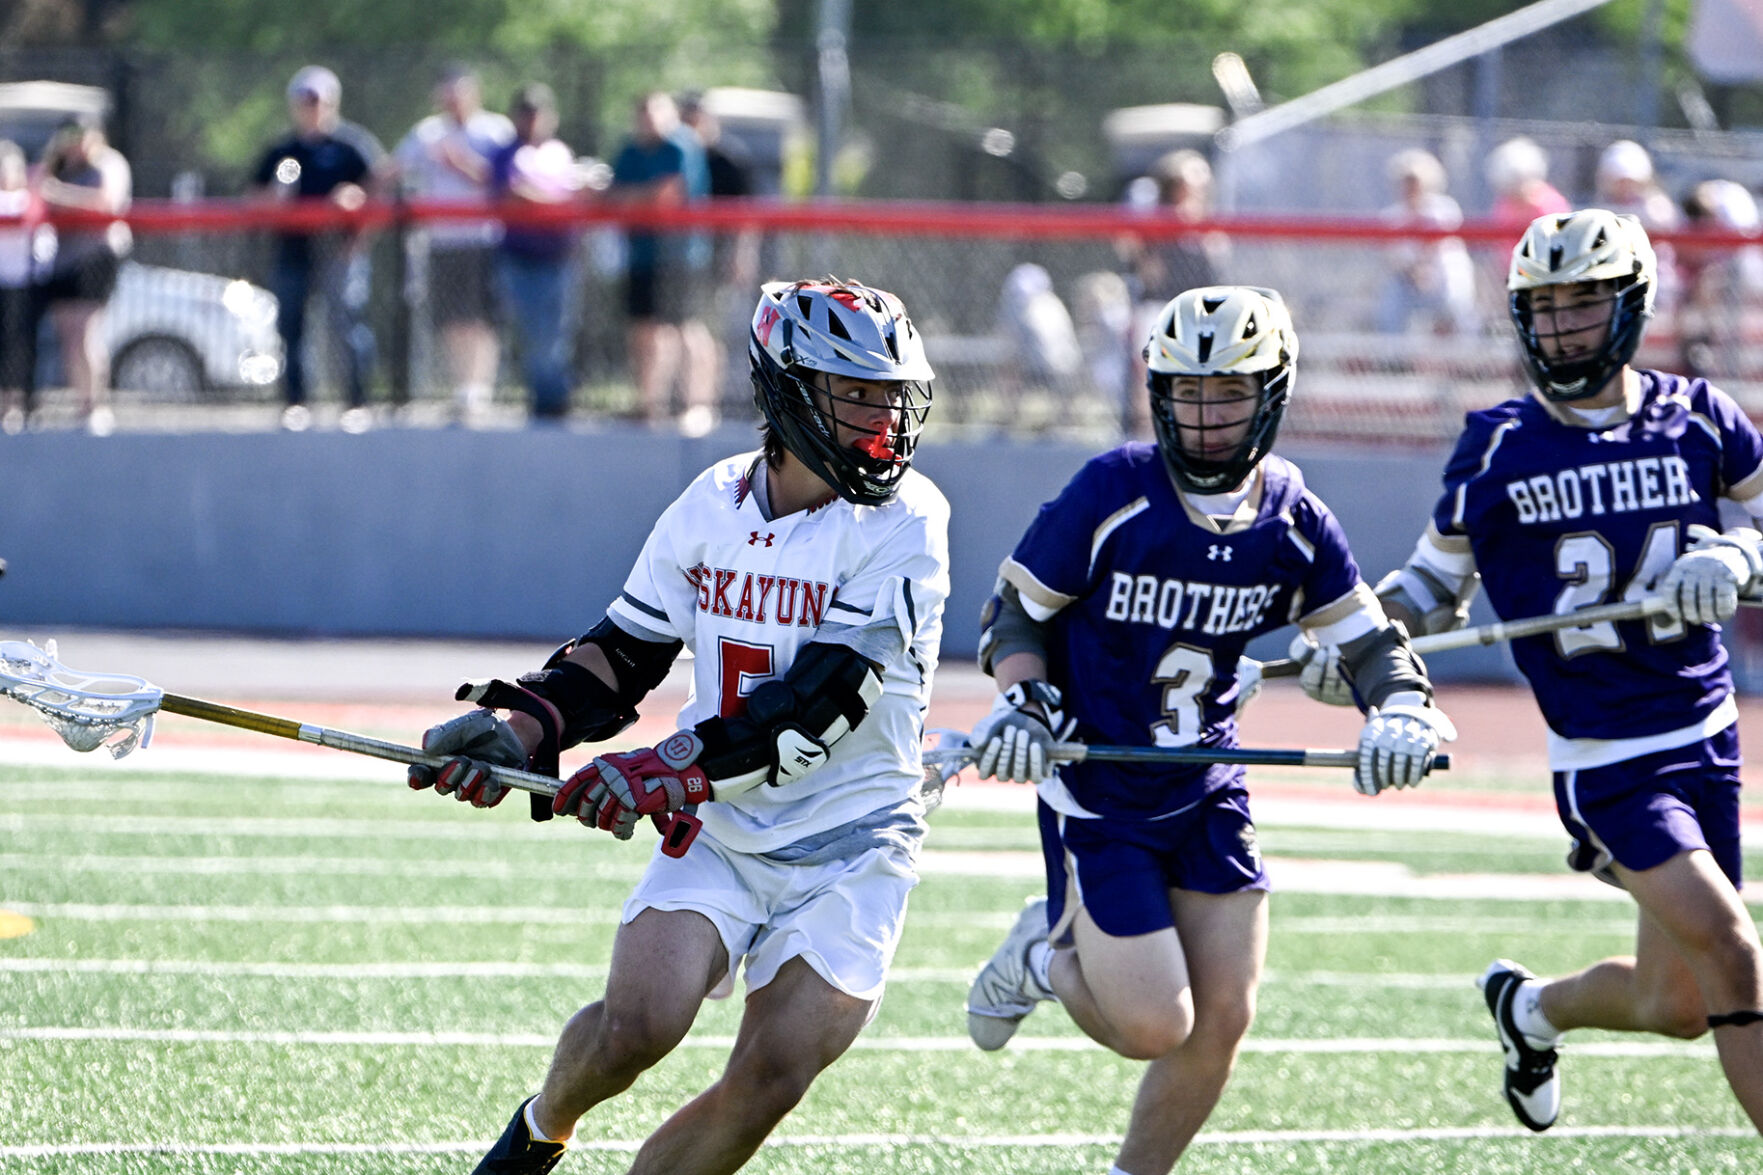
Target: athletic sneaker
[
  {"x": 1532, "y": 1089},
  {"x": 517, "y": 1152},
  {"x": 1005, "y": 991}
]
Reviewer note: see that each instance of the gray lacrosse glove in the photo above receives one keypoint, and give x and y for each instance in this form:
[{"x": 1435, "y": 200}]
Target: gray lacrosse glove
[
  {"x": 1399, "y": 742},
  {"x": 475, "y": 741},
  {"x": 1015, "y": 741},
  {"x": 1704, "y": 585},
  {"x": 1320, "y": 673}
]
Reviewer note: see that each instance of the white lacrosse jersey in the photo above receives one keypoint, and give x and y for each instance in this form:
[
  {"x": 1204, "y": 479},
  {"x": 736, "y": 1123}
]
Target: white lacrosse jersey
[{"x": 745, "y": 594}]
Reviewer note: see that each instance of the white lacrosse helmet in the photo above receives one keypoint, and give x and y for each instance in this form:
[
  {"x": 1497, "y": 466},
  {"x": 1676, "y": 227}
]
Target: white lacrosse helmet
[
  {"x": 1567, "y": 248},
  {"x": 838, "y": 328},
  {"x": 1215, "y": 331}
]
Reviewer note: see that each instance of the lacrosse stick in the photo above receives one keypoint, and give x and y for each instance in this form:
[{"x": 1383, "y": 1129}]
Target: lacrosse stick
[
  {"x": 116, "y": 710},
  {"x": 955, "y": 750},
  {"x": 1510, "y": 630}
]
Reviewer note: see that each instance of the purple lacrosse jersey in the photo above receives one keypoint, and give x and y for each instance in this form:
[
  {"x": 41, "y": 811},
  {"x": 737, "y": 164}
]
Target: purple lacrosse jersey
[
  {"x": 1155, "y": 605},
  {"x": 1560, "y": 518}
]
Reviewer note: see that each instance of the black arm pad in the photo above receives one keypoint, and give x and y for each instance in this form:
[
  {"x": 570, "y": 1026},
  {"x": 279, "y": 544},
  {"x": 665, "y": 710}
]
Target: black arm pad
[
  {"x": 826, "y": 692},
  {"x": 592, "y": 711},
  {"x": 638, "y": 664},
  {"x": 1006, "y": 628},
  {"x": 1382, "y": 663}
]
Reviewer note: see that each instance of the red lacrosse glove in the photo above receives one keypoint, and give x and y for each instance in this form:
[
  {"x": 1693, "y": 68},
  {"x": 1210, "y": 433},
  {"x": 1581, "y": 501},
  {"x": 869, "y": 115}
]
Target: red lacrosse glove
[{"x": 614, "y": 791}]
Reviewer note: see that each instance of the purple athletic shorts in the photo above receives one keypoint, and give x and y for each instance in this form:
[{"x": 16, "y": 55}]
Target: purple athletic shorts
[
  {"x": 1642, "y": 812},
  {"x": 1124, "y": 869}
]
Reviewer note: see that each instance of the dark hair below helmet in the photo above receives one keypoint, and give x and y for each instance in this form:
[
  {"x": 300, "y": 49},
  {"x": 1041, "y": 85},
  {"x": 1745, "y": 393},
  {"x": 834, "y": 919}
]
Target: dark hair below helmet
[
  {"x": 834, "y": 327},
  {"x": 1566, "y": 249},
  {"x": 1221, "y": 331}
]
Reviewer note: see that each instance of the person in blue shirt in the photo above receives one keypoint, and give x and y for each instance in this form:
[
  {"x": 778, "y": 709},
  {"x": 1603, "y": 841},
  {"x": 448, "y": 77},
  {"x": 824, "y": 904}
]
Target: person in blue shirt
[
  {"x": 324, "y": 158},
  {"x": 1605, "y": 484},
  {"x": 663, "y": 165},
  {"x": 1123, "y": 614}
]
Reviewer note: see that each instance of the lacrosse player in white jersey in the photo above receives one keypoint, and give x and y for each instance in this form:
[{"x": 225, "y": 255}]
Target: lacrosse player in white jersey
[{"x": 808, "y": 580}]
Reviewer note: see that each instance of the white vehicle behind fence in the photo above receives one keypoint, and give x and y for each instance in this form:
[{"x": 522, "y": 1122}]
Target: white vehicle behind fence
[{"x": 177, "y": 334}]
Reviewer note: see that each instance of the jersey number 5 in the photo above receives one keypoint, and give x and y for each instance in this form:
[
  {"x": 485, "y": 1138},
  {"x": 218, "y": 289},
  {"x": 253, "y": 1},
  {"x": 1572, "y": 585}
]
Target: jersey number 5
[
  {"x": 742, "y": 667},
  {"x": 1588, "y": 564}
]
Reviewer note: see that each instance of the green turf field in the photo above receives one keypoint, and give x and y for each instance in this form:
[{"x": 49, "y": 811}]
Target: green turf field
[{"x": 249, "y": 975}]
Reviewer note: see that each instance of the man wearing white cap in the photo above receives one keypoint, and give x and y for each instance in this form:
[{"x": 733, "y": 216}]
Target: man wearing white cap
[{"x": 323, "y": 158}]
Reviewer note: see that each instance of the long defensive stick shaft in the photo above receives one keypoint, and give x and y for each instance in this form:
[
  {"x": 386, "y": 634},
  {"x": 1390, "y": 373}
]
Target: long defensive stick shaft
[
  {"x": 1247, "y": 756},
  {"x": 1509, "y": 630},
  {"x": 338, "y": 740}
]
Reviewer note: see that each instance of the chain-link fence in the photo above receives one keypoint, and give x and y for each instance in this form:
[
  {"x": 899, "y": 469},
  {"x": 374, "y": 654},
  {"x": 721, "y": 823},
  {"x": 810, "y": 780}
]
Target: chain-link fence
[{"x": 1032, "y": 317}]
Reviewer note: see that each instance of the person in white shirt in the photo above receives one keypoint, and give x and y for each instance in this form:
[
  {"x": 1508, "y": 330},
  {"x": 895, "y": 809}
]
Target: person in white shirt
[
  {"x": 446, "y": 157},
  {"x": 808, "y": 580}
]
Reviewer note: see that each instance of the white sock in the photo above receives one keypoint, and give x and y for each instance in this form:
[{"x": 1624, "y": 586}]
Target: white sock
[
  {"x": 532, "y": 1127},
  {"x": 1040, "y": 963},
  {"x": 1117, "y": 1169},
  {"x": 1527, "y": 1013}
]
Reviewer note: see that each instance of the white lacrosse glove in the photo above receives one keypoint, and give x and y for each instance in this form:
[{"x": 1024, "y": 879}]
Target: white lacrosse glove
[
  {"x": 1397, "y": 745},
  {"x": 1704, "y": 584},
  {"x": 1248, "y": 682},
  {"x": 1320, "y": 672},
  {"x": 1015, "y": 741}
]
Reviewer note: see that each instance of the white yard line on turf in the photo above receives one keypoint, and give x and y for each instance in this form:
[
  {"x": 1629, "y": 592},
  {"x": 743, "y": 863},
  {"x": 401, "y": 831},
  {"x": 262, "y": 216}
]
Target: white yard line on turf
[
  {"x": 407, "y": 971},
  {"x": 883, "y": 1044},
  {"x": 988, "y": 1142}
]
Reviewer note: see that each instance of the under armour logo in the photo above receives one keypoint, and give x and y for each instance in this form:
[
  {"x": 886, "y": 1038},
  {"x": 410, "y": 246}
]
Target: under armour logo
[
  {"x": 760, "y": 538},
  {"x": 1216, "y": 552}
]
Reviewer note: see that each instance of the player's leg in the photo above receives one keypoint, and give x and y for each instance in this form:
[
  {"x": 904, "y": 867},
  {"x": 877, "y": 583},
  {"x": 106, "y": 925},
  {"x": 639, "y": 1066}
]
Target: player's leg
[
  {"x": 663, "y": 963},
  {"x": 815, "y": 971},
  {"x": 1130, "y": 994},
  {"x": 1695, "y": 904},
  {"x": 1225, "y": 938},
  {"x": 793, "y": 1027}
]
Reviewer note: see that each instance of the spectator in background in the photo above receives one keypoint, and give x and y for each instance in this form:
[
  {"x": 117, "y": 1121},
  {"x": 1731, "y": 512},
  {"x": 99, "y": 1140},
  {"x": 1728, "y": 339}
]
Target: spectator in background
[
  {"x": 446, "y": 156},
  {"x": 734, "y": 258},
  {"x": 82, "y": 172},
  {"x": 325, "y": 158},
  {"x": 1625, "y": 183},
  {"x": 535, "y": 264},
  {"x": 1102, "y": 311},
  {"x": 1719, "y": 283},
  {"x": 21, "y": 213},
  {"x": 1434, "y": 279},
  {"x": 1159, "y": 270},
  {"x": 663, "y": 165},
  {"x": 1518, "y": 172},
  {"x": 1043, "y": 347}
]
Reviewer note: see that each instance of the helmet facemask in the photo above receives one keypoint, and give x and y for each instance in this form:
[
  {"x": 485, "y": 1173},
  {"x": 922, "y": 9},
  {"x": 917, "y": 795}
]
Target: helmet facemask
[
  {"x": 1196, "y": 417},
  {"x": 1220, "y": 364},
  {"x": 1567, "y": 359},
  {"x": 1583, "y": 259},
  {"x": 823, "y": 429}
]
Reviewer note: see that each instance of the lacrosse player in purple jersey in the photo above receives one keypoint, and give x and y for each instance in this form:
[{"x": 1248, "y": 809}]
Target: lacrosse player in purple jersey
[
  {"x": 1123, "y": 613},
  {"x": 808, "y": 579},
  {"x": 1604, "y": 485}
]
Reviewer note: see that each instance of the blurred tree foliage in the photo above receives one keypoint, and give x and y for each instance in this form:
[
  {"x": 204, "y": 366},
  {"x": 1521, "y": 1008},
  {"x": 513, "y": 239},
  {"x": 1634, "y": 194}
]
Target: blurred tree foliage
[{"x": 932, "y": 70}]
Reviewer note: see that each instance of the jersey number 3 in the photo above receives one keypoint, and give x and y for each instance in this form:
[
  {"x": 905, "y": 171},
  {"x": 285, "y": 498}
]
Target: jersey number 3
[{"x": 1184, "y": 673}]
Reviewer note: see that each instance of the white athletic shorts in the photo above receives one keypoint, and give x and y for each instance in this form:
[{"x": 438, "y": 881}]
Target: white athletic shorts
[{"x": 842, "y": 918}]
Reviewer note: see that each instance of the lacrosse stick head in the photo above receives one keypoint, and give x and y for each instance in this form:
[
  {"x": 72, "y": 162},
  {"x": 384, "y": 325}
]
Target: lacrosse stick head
[
  {"x": 88, "y": 710},
  {"x": 946, "y": 752}
]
